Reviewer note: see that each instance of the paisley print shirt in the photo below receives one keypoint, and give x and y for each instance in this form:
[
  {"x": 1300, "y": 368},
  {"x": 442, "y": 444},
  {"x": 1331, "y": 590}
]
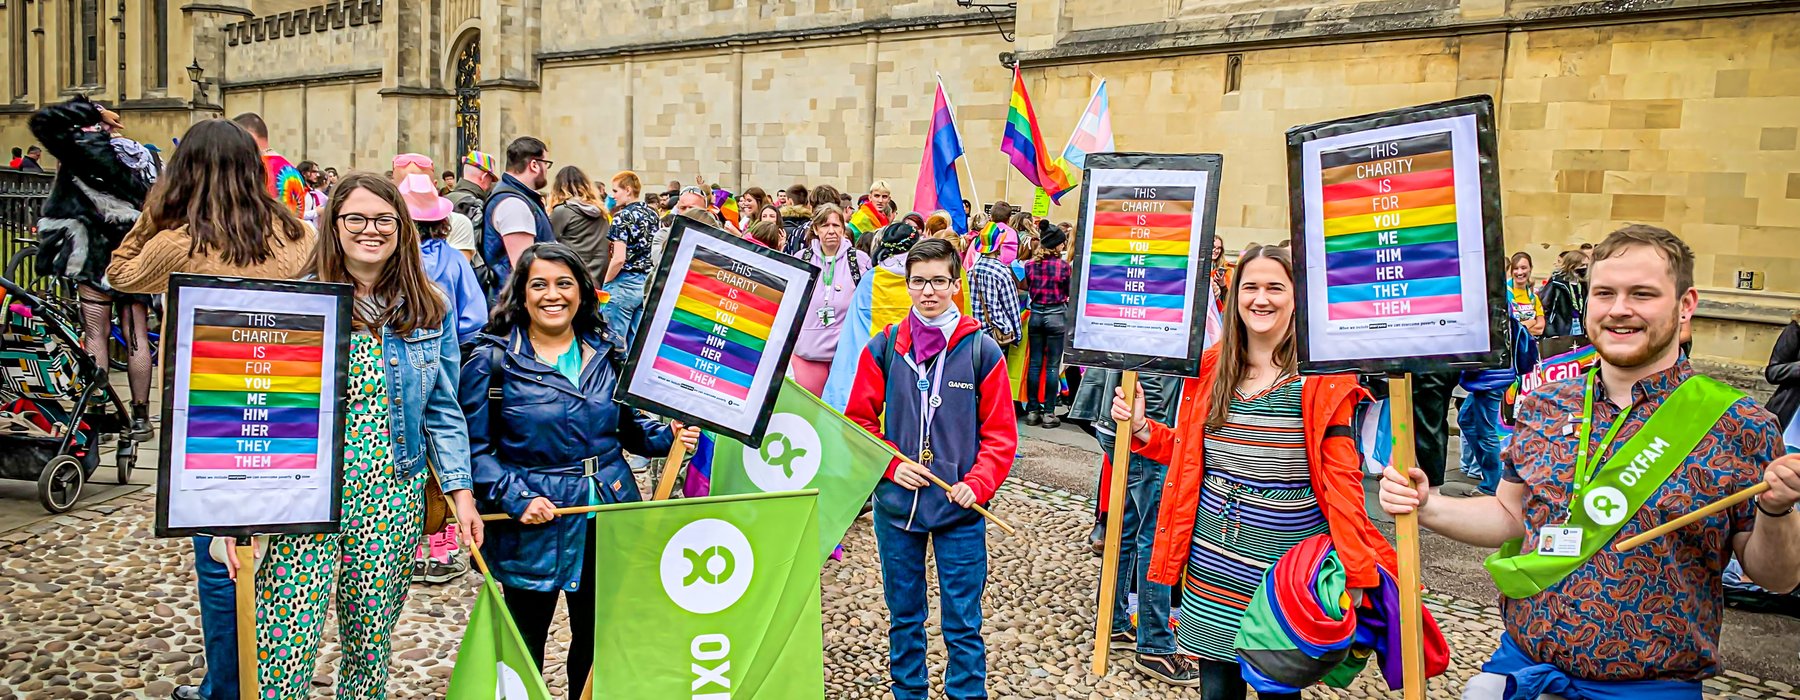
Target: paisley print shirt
[{"x": 1653, "y": 612}]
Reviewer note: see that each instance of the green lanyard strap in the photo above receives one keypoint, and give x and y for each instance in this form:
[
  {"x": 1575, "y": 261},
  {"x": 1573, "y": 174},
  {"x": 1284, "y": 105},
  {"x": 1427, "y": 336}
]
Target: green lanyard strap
[{"x": 1584, "y": 466}]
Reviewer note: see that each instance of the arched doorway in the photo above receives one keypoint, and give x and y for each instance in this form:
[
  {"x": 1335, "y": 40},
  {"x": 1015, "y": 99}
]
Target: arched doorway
[{"x": 468, "y": 96}]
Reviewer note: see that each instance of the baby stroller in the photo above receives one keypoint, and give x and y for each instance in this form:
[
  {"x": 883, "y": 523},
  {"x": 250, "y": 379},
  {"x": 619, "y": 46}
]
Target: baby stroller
[{"x": 56, "y": 405}]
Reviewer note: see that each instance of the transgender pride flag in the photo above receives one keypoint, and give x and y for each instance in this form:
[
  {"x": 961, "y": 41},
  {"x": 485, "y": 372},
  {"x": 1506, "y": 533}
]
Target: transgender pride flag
[
  {"x": 1093, "y": 134},
  {"x": 938, "y": 187}
]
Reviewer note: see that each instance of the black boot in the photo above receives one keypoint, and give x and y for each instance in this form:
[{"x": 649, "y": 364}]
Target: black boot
[{"x": 141, "y": 429}]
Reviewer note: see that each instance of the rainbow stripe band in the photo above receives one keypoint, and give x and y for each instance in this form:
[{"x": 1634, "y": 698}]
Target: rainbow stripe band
[
  {"x": 719, "y": 328},
  {"x": 1141, "y": 240},
  {"x": 1390, "y": 227},
  {"x": 254, "y": 385}
]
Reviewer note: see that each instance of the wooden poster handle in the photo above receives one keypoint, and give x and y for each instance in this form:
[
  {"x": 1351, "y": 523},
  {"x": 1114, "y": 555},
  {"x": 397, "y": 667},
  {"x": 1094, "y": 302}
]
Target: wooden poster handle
[
  {"x": 1115, "y": 516},
  {"x": 665, "y": 484},
  {"x": 1406, "y": 528},
  {"x": 248, "y": 687}
]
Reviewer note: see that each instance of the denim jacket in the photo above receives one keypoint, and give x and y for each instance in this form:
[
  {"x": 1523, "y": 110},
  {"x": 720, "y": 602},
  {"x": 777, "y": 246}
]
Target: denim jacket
[{"x": 422, "y": 372}]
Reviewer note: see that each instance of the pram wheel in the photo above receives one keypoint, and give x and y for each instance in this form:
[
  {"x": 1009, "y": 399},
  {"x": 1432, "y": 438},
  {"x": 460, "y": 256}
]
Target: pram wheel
[
  {"x": 59, "y": 486},
  {"x": 126, "y": 459}
]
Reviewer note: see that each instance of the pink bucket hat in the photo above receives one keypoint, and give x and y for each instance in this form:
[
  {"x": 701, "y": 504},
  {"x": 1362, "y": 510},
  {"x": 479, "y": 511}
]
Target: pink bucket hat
[{"x": 422, "y": 200}]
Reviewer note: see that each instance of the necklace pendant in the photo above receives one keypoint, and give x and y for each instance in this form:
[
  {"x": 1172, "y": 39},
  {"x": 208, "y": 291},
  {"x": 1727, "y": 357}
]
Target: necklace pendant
[{"x": 925, "y": 456}]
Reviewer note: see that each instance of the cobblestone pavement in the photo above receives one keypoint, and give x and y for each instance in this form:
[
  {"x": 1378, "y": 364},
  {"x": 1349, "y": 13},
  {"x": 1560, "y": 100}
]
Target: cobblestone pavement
[{"x": 92, "y": 607}]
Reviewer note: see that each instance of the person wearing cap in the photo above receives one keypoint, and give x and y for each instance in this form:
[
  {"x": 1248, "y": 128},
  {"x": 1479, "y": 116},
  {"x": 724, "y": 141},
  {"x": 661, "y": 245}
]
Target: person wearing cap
[{"x": 469, "y": 194}]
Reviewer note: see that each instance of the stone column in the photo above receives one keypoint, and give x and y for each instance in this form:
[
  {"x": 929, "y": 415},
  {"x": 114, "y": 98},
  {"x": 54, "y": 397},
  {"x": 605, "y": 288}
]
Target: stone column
[
  {"x": 207, "y": 41},
  {"x": 510, "y": 34}
]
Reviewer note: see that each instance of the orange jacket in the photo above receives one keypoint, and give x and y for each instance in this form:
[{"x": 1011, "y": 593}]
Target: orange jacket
[{"x": 1327, "y": 402}]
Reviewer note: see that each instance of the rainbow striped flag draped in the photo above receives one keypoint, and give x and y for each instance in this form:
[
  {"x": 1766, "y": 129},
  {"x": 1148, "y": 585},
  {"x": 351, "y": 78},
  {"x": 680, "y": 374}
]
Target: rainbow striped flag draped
[
  {"x": 1093, "y": 134},
  {"x": 938, "y": 186},
  {"x": 866, "y": 220},
  {"x": 1023, "y": 144}
]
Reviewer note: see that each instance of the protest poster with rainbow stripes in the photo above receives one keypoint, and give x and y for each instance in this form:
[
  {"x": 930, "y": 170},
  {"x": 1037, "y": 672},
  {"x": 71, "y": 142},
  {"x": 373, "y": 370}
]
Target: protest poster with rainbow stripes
[
  {"x": 719, "y": 328},
  {"x": 1397, "y": 245},
  {"x": 1140, "y": 260}
]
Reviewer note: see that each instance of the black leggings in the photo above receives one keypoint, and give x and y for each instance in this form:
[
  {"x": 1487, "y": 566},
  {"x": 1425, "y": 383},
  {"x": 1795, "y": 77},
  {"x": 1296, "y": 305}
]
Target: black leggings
[
  {"x": 1222, "y": 680},
  {"x": 533, "y": 610}
]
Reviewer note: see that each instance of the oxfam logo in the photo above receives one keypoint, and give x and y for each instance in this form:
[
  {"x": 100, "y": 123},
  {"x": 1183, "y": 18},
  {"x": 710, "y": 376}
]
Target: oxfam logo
[
  {"x": 789, "y": 457},
  {"x": 1605, "y": 505},
  {"x": 707, "y": 566}
]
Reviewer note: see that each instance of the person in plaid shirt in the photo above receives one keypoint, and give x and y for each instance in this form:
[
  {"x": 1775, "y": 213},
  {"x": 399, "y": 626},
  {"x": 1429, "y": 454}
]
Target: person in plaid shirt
[
  {"x": 993, "y": 291},
  {"x": 1047, "y": 283}
]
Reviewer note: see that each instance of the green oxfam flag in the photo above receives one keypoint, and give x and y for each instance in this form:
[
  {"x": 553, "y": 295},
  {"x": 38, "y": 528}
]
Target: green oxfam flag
[
  {"x": 492, "y": 663},
  {"x": 809, "y": 445},
  {"x": 711, "y": 598}
]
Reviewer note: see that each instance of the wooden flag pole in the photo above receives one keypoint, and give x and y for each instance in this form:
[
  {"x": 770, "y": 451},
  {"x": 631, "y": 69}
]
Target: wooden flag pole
[
  {"x": 248, "y": 688},
  {"x": 976, "y": 507},
  {"x": 1406, "y": 527},
  {"x": 1115, "y": 516},
  {"x": 1690, "y": 518}
]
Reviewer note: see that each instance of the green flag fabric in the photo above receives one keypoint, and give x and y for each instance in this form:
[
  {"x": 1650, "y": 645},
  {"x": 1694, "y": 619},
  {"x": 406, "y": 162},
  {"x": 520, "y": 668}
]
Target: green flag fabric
[
  {"x": 492, "y": 663},
  {"x": 808, "y": 445},
  {"x": 711, "y": 598}
]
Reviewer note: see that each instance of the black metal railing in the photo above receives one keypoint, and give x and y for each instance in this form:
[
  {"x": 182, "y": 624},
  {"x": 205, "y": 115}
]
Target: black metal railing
[{"x": 22, "y": 198}]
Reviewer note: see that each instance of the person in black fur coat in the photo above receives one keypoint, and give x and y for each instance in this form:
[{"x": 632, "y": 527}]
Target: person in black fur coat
[{"x": 101, "y": 182}]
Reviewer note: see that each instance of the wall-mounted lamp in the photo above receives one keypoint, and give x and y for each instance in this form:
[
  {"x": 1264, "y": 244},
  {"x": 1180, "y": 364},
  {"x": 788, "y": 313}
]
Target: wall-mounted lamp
[
  {"x": 197, "y": 76},
  {"x": 990, "y": 9}
]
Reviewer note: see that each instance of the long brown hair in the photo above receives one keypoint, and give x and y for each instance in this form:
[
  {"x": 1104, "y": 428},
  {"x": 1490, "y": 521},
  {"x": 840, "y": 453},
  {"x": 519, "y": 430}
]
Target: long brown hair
[
  {"x": 414, "y": 301},
  {"x": 571, "y": 183},
  {"x": 1234, "y": 348},
  {"x": 217, "y": 186}
]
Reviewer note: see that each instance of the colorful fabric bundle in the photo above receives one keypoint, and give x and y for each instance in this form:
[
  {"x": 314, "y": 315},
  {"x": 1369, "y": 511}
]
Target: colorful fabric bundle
[
  {"x": 865, "y": 221},
  {"x": 699, "y": 469},
  {"x": 1300, "y": 628}
]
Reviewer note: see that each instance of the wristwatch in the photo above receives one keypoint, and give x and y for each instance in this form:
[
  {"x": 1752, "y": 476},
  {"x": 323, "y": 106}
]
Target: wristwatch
[{"x": 1773, "y": 514}]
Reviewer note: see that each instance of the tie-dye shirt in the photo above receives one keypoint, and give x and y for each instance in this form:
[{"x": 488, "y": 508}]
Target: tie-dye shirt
[{"x": 285, "y": 183}]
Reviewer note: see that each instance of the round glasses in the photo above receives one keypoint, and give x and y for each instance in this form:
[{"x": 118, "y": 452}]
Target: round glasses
[{"x": 385, "y": 224}]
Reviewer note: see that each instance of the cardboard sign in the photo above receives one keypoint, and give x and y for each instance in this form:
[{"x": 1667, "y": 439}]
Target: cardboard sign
[
  {"x": 253, "y": 393},
  {"x": 718, "y": 329},
  {"x": 1397, "y": 242},
  {"x": 1143, "y": 250}
]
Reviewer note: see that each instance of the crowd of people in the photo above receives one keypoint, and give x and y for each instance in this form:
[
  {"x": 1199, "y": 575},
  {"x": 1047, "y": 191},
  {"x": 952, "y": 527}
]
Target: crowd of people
[{"x": 513, "y": 289}]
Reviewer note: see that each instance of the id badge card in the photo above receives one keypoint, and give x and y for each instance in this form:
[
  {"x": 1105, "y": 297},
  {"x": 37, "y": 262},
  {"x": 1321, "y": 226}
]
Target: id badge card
[
  {"x": 827, "y": 316},
  {"x": 1559, "y": 541}
]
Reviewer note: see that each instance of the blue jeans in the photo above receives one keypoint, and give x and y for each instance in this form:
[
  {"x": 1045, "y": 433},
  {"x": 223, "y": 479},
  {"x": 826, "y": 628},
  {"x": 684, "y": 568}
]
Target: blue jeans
[
  {"x": 1137, "y": 533},
  {"x": 627, "y": 305},
  {"x": 218, "y": 623},
  {"x": 1479, "y": 418},
  {"x": 962, "y": 566}
]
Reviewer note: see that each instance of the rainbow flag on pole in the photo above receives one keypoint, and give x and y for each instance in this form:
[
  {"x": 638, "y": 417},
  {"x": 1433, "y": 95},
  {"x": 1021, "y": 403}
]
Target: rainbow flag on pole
[
  {"x": 866, "y": 220},
  {"x": 1023, "y": 144},
  {"x": 938, "y": 186},
  {"x": 1093, "y": 134}
]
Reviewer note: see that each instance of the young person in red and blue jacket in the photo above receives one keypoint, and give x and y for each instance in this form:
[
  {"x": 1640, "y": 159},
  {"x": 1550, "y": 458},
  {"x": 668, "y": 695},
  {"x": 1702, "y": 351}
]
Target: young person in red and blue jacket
[{"x": 943, "y": 386}]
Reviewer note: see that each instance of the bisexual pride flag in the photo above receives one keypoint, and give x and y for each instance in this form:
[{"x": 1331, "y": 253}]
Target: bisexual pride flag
[
  {"x": 1390, "y": 229},
  {"x": 938, "y": 187}
]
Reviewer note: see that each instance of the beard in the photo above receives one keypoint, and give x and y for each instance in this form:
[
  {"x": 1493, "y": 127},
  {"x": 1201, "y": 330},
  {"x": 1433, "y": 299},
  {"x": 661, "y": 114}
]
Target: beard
[{"x": 1659, "y": 337}]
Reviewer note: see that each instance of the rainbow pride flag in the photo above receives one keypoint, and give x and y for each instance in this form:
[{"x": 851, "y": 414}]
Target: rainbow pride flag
[
  {"x": 866, "y": 220},
  {"x": 1023, "y": 144},
  {"x": 727, "y": 205}
]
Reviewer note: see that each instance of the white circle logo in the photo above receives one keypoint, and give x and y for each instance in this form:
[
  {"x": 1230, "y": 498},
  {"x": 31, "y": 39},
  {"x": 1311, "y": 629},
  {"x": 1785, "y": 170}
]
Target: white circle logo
[
  {"x": 1605, "y": 506},
  {"x": 707, "y": 566},
  {"x": 509, "y": 685},
  {"x": 789, "y": 457}
]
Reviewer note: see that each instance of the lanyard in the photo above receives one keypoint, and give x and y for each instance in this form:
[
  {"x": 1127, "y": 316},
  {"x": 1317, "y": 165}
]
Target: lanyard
[
  {"x": 1584, "y": 467},
  {"x": 929, "y": 398},
  {"x": 831, "y": 265}
]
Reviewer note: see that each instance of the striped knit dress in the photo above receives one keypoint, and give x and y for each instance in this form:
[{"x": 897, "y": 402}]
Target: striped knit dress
[{"x": 1256, "y": 503}]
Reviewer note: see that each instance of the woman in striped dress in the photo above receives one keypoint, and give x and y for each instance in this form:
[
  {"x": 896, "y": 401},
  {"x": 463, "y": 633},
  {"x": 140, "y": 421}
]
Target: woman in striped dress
[{"x": 1263, "y": 459}]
